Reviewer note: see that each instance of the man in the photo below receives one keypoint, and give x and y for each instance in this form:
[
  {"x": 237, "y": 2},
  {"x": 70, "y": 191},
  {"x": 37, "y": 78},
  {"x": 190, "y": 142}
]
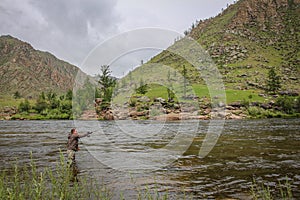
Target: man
[{"x": 72, "y": 145}]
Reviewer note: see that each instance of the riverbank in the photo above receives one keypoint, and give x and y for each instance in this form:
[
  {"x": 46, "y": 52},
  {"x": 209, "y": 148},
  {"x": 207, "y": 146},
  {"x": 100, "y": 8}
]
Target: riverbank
[
  {"x": 143, "y": 108},
  {"x": 230, "y": 112}
]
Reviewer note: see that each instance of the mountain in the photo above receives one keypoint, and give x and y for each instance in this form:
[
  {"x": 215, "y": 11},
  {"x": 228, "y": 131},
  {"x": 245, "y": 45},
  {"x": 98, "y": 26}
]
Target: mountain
[
  {"x": 246, "y": 40},
  {"x": 30, "y": 71}
]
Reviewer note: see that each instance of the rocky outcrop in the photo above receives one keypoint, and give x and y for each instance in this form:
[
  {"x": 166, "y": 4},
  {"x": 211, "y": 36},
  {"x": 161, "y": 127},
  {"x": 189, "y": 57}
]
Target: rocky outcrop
[
  {"x": 89, "y": 115},
  {"x": 228, "y": 54},
  {"x": 261, "y": 13},
  {"x": 161, "y": 110}
]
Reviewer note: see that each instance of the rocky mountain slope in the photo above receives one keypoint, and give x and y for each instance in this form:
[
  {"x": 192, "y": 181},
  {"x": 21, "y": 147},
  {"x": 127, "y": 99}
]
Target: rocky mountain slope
[
  {"x": 246, "y": 40},
  {"x": 29, "y": 71}
]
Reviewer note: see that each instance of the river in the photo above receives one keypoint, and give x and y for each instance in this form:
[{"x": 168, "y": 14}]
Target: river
[{"x": 266, "y": 150}]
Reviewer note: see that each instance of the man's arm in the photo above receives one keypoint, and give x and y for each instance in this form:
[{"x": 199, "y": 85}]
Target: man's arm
[{"x": 84, "y": 135}]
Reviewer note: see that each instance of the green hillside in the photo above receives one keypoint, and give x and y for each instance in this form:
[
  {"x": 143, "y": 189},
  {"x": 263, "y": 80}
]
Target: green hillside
[{"x": 245, "y": 41}]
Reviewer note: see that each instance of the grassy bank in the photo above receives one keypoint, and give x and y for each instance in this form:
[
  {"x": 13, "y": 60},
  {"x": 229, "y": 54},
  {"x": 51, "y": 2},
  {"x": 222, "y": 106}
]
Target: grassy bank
[
  {"x": 253, "y": 103},
  {"x": 28, "y": 182}
]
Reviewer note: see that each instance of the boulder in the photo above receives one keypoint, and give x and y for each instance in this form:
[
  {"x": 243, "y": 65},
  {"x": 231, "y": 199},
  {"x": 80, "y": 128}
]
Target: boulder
[{"x": 108, "y": 115}]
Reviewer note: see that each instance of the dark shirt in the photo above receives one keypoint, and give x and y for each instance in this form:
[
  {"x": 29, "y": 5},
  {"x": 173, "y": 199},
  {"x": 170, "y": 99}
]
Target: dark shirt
[{"x": 73, "y": 141}]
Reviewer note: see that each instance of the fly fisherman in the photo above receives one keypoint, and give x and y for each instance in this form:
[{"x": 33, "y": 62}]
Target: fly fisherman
[{"x": 72, "y": 145}]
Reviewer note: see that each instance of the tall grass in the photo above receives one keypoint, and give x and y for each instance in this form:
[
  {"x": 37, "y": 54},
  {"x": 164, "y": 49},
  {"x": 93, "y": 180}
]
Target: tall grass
[
  {"x": 29, "y": 182},
  {"x": 263, "y": 192}
]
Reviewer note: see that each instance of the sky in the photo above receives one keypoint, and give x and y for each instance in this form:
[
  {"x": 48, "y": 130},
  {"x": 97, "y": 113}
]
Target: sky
[{"x": 71, "y": 29}]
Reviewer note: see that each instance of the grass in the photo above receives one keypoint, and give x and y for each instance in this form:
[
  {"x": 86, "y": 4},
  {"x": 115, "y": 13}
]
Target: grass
[
  {"x": 29, "y": 182},
  {"x": 240, "y": 95},
  {"x": 11, "y": 102},
  {"x": 262, "y": 191},
  {"x": 202, "y": 91}
]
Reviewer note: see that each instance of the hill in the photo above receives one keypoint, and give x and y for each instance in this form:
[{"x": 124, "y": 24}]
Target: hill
[
  {"x": 245, "y": 41},
  {"x": 30, "y": 71}
]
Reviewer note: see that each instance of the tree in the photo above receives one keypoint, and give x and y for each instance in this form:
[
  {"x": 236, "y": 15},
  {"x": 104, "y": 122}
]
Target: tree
[
  {"x": 184, "y": 81},
  {"x": 273, "y": 82},
  {"x": 69, "y": 95},
  {"x": 42, "y": 96},
  {"x": 41, "y": 104},
  {"x": 17, "y": 95},
  {"x": 170, "y": 88},
  {"x": 286, "y": 104},
  {"x": 107, "y": 83}
]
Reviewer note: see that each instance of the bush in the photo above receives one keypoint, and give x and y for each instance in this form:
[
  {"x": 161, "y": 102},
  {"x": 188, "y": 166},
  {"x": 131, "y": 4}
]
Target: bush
[
  {"x": 257, "y": 112},
  {"x": 41, "y": 105},
  {"x": 24, "y": 106},
  {"x": 132, "y": 102},
  {"x": 286, "y": 104}
]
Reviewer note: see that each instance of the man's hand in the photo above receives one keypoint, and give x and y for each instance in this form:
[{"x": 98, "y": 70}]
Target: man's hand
[{"x": 89, "y": 133}]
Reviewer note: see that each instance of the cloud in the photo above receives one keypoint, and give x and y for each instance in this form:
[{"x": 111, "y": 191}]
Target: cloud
[
  {"x": 69, "y": 29},
  {"x": 177, "y": 15}
]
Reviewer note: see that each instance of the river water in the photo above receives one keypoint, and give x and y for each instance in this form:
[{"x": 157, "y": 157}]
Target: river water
[{"x": 127, "y": 156}]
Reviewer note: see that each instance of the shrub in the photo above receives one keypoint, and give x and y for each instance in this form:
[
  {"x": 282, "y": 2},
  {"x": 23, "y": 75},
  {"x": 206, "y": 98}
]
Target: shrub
[
  {"x": 286, "y": 104},
  {"x": 24, "y": 106},
  {"x": 132, "y": 102}
]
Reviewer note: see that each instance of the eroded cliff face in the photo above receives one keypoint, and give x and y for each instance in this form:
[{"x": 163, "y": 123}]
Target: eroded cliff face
[{"x": 266, "y": 14}]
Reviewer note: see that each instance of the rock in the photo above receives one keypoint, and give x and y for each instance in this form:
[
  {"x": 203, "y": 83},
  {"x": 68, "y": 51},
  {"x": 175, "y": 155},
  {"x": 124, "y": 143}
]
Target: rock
[
  {"x": 233, "y": 116},
  {"x": 144, "y": 99},
  {"x": 255, "y": 103},
  {"x": 221, "y": 104},
  {"x": 266, "y": 106},
  {"x": 294, "y": 78},
  {"x": 89, "y": 114},
  {"x": 203, "y": 117},
  {"x": 241, "y": 55},
  {"x": 176, "y": 106},
  {"x": 230, "y": 108},
  {"x": 289, "y": 93},
  {"x": 98, "y": 101},
  {"x": 235, "y": 104},
  {"x": 135, "y": 114},
  {"x": 108, "y": 115},
  {"x": 168, "y": 117},
  {"x": 160, "y": 100}
]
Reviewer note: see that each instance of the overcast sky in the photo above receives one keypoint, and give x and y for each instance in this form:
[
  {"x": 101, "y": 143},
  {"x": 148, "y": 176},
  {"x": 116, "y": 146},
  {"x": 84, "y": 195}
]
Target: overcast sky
[{"x": 70, "y": 29}]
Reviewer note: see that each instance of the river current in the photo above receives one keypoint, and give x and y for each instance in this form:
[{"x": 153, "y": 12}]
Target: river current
[{"x": 131, "y": 155}]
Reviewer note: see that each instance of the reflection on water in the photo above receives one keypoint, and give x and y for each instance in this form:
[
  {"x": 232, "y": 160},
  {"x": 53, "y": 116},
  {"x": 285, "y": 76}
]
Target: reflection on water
[{"x": 267, "y": 150}]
